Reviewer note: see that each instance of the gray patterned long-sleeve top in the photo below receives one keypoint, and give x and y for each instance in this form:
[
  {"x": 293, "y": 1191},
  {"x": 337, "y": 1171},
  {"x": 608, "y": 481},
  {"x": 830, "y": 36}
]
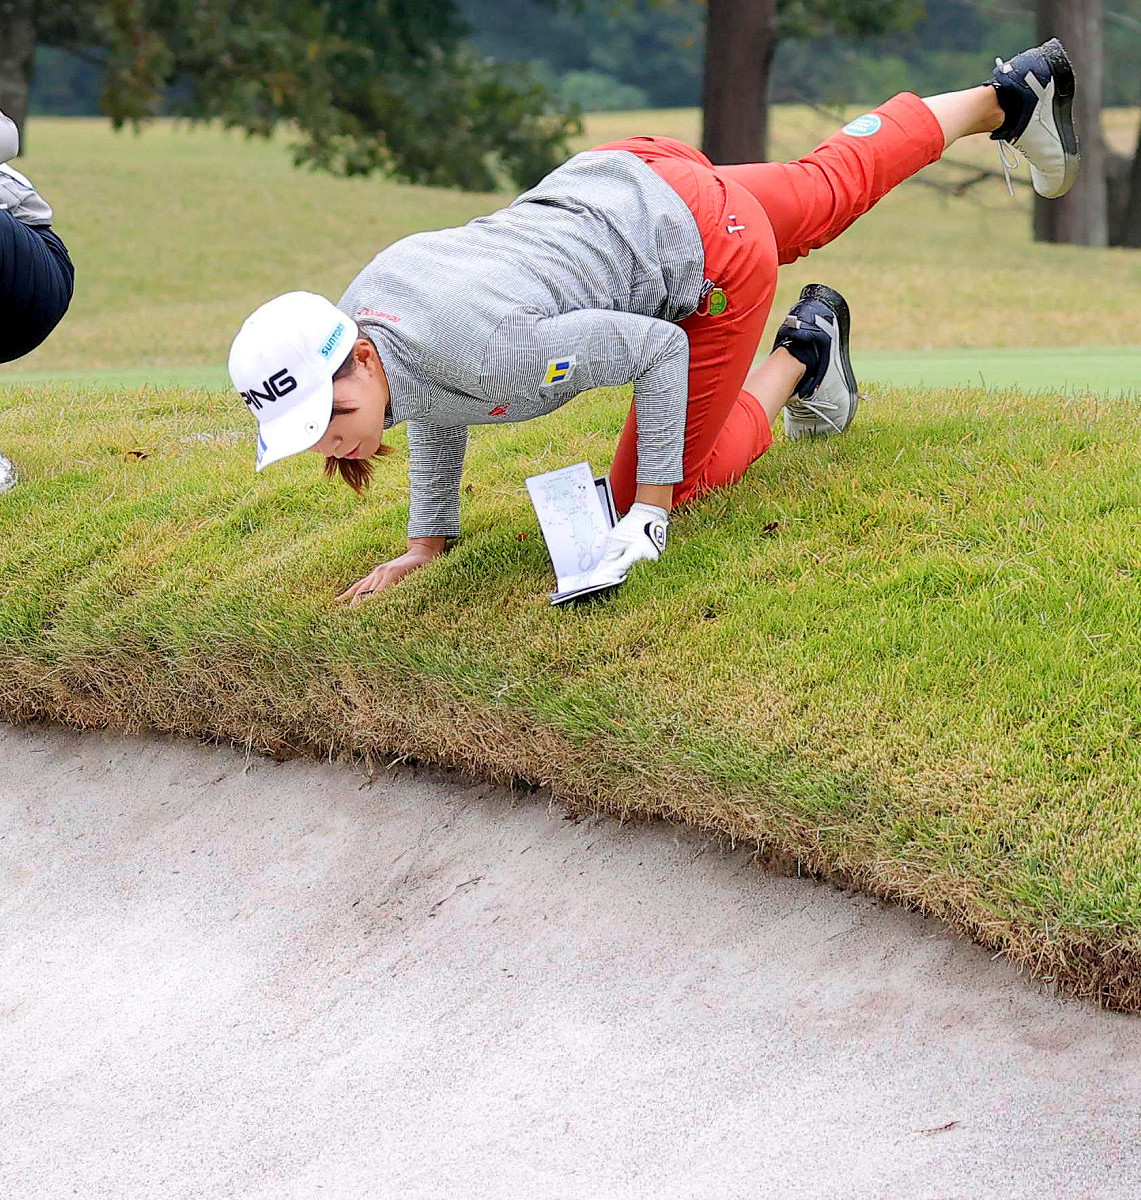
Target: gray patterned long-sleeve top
[
  {"x": 16, "y": 194},
  {"x": 577, "y": 284}
]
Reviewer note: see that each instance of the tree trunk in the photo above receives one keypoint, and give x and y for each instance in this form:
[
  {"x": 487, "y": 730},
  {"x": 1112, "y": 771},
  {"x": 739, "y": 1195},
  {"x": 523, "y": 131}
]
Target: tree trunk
[
  {"x": 740, "y": 40},
  {"x": 1080, "y": 217},
  {"x": 17, "y": 45},
  {"x": 1125, "y": 198}
]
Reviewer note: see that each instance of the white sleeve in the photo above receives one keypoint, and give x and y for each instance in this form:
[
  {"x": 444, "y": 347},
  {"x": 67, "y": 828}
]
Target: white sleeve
[{"x": 9, "y": 138}]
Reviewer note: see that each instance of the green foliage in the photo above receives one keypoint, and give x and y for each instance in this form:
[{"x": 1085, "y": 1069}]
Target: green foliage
[
  {"x": 591, "y": 91},
  {"x": 64, "y": 84},
  {"x": 657, "y": 45},
  {"x": 852, "y": 18},
  {"x": 654, "y": 45},
  {"x": 857, "y": 51},
  {"x": 369, "y": 86}
]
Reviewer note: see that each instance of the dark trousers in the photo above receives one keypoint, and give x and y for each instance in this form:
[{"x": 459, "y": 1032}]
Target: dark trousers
[{"x": 36, "y": 283}]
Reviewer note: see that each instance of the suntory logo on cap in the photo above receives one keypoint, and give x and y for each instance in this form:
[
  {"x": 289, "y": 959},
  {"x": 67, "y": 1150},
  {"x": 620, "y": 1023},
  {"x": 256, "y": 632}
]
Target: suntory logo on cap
[{"x": 330, "y": 342}]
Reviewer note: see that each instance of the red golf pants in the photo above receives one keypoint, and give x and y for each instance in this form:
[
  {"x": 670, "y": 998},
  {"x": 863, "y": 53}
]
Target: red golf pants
[{"x": 752, "y": 217}]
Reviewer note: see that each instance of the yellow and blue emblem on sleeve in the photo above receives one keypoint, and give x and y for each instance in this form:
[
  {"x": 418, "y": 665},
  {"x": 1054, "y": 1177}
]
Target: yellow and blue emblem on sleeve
[{"x": 558, "y": 370}]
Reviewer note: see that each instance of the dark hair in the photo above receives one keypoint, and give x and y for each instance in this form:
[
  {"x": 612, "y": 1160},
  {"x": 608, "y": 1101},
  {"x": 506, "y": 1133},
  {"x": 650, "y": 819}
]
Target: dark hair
[{"x": 356, "y": 472}]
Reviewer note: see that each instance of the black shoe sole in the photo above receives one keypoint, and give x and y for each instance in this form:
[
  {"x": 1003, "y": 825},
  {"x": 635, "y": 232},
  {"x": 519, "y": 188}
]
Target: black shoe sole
[
  {"x": 834, "y": 301},
  {"x": 1064, "y": 88}
]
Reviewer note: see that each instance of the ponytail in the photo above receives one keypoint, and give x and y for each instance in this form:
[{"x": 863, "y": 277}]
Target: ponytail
[{"x": 356, "y": 472}]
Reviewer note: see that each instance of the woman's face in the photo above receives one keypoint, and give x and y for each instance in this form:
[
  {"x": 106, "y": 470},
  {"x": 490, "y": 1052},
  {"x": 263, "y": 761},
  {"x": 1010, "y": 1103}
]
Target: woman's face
[{"x": 360, "y": 400}]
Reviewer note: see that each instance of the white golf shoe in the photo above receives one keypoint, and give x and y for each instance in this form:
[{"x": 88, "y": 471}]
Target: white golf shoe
[
  {"x": 815, "y": 332},
  {"x": 1036, "y": 92}
]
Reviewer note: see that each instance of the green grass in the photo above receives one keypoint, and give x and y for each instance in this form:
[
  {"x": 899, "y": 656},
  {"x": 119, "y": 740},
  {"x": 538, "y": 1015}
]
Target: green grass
[
  {"x": 1111, "y": 370},
  {"x": 117, "y": 377},
  {"x": 905, "y": 658}
]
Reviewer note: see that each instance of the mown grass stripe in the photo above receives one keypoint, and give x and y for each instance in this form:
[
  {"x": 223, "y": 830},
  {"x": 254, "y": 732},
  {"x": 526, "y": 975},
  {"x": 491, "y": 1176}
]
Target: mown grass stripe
[{"x": 1111, "y": 370}]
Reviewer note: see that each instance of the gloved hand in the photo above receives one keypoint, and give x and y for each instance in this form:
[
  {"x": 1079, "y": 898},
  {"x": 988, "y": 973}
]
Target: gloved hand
[{"x": 639, "y": 537}]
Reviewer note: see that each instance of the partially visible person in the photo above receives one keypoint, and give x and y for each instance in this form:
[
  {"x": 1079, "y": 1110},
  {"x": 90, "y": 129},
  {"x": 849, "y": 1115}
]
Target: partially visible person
[{"x": 36, "y": 275}]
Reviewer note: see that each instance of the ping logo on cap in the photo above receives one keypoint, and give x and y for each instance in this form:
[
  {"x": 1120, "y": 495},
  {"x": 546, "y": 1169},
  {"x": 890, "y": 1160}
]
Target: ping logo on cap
[
  {"x": 279, "y": 384},
  {"x": 331, "y": 341},
  {"x": 557, "y": 370}
]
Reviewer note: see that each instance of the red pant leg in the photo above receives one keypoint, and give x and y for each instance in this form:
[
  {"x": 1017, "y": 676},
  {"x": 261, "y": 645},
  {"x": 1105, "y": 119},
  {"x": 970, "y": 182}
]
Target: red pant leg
[
  {"x": 726, "y": 429},
  {"x": 751, "y": 216},
  {"x": 814, "y": 200}
]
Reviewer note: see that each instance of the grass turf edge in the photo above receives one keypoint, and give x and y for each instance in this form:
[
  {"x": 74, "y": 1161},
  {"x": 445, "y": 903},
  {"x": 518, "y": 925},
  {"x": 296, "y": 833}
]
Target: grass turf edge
[{"x": 346, "y": 716}]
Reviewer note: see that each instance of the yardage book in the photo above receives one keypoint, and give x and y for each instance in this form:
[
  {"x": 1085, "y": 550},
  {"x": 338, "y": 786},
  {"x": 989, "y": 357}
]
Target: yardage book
[{"x": 576, "y": 512}]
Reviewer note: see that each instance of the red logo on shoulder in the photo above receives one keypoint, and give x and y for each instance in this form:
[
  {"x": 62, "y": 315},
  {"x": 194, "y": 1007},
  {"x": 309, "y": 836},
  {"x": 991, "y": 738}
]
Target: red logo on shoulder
[
  {"x": 498, "y": 411},
  {"x": 375, "y": 312}
]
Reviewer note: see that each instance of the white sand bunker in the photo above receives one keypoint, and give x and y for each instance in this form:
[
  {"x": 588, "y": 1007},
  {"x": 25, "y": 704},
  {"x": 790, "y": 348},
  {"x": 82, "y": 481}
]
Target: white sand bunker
[{"x": 281, "y": 981}]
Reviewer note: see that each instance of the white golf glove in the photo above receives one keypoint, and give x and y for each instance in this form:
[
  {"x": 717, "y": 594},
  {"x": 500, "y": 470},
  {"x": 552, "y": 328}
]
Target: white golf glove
[{"x": 639, "y": 537}]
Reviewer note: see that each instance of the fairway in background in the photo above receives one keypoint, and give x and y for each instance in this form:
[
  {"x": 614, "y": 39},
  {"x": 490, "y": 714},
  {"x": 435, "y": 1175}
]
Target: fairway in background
[
  {"x": 1107, "y": 370},
  {"x": 179, "y": 233}
]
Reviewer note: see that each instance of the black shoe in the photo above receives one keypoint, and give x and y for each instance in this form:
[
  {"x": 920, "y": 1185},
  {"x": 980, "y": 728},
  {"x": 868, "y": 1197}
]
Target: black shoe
[
  {"x": 815, "y": 332},
  {"x": 1036, "y": 92}
]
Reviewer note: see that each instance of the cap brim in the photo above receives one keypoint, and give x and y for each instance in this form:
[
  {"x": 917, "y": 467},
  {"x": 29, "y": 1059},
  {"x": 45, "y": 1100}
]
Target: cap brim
[{"x": 299, "y": 429}]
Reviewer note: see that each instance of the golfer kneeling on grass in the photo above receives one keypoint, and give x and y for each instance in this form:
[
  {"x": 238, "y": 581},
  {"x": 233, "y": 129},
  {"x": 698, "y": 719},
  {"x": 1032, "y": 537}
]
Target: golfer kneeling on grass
[
  {"x": 36, "y": 275},
  {"x": 639, "y": 261}
]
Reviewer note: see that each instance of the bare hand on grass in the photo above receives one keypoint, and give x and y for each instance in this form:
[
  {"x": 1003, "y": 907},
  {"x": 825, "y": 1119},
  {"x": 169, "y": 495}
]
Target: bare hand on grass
[{"x": 419, "y": 552}]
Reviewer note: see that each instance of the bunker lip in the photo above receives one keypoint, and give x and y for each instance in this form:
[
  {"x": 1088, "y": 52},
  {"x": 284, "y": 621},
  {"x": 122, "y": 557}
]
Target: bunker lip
[{"x": 1104, "y": 969}]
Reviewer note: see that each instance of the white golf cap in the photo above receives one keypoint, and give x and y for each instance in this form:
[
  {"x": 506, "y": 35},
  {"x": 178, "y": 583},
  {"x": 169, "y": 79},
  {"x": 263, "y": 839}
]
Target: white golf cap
[{"x": 282, "y": 362}]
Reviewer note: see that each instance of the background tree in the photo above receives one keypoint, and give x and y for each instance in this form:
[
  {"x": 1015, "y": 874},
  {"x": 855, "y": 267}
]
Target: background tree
[
  {"x": 653, "y": 45},
  {"x": 1123, "y": 195},
  {"x": 17, "y": 46},
  {"x": 1081, "y": 217},
  {"x": 1123, "y": 172},
  {"x": 740, "y": 42},
  {"x": 740, "y": 45},
  {"x": 368, "y": 84}
]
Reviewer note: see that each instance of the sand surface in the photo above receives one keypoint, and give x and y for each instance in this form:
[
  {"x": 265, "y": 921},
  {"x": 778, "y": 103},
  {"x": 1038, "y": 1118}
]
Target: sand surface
[{"x": 222, "y": 978}]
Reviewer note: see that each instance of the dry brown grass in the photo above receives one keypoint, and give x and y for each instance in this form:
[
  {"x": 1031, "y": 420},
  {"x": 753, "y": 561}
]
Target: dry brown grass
[{"x": 390, "y": 718}]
